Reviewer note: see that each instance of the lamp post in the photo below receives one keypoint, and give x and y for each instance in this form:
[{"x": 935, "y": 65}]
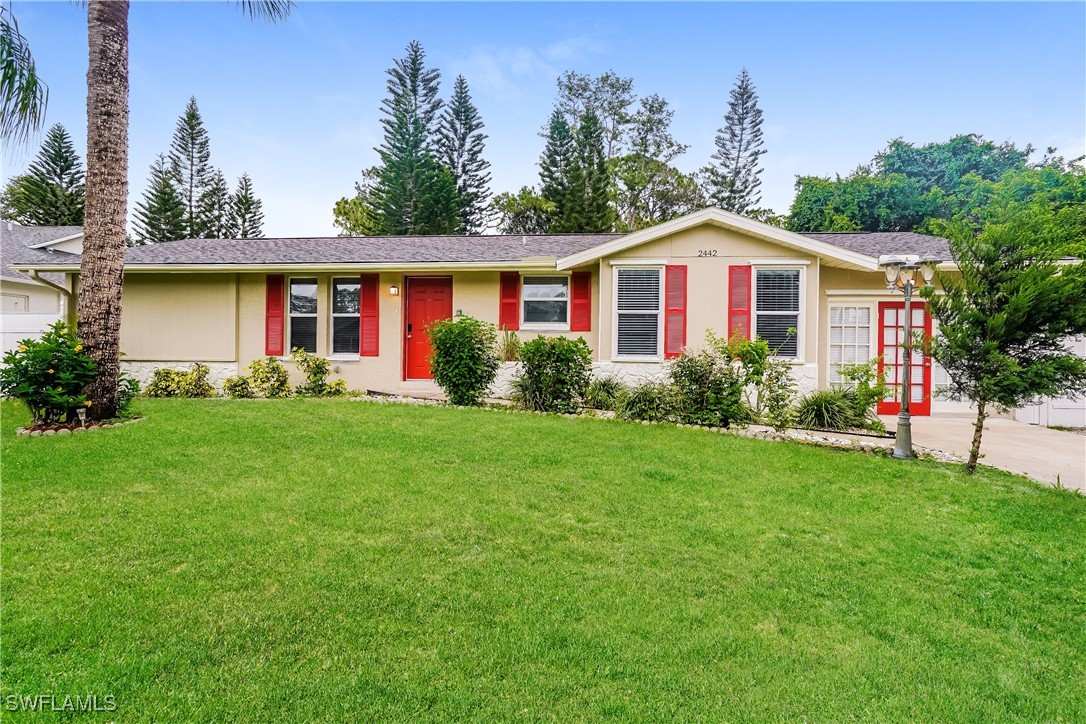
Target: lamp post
[{"x": 901, "y": 275}]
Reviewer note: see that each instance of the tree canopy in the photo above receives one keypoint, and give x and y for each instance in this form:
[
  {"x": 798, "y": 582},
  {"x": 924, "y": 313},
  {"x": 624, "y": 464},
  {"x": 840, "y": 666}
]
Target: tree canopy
[
  {"x": 904, "y": 186},
  {"x": 52, "y": 191}
]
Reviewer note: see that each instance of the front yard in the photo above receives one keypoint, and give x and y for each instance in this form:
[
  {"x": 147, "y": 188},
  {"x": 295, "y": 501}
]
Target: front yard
[{"x": 325, "y": 559}]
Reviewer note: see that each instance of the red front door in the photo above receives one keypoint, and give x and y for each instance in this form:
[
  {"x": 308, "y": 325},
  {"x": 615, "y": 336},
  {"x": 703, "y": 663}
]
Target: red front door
[
  {"x": 429, "y": 299},
  {"x": 892, "y": 358}
]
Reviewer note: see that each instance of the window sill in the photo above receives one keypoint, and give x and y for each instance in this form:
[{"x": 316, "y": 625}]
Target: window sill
[
  {"x": 637, "y": 360},
  {"x": 344, "y": 357},
  {"x": 543, "y": 328}
]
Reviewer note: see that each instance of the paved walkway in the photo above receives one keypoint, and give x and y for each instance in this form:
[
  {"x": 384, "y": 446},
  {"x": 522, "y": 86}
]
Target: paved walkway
[{"x": 1031, "y": 450}]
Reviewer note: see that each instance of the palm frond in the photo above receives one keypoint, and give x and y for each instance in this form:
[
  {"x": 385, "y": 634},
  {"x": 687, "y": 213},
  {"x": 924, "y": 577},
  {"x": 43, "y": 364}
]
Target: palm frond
[
  {"x": 23, "y": 95},
  {"x": 270, "y": 10}
]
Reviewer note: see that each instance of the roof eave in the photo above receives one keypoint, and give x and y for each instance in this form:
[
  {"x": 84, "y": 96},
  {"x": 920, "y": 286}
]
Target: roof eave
[
  {"x": 718, "y": 217},
  {"x": 306, "y": 267},
  {"x": 53, "y": 242}
]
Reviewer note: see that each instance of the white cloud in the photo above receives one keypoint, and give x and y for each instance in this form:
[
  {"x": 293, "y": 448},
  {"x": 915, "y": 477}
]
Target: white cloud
[
  {"x": 501, "y": 70},
  {"x": 506, "y": 70},
  {"x": 574, "y": 48}
]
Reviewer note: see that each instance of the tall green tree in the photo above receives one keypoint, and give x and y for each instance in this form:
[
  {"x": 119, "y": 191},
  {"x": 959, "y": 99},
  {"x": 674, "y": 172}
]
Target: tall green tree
[
  {"x": 732, "y": 178},
  {"x": 246, "y": 220},
  {"x": 610, "y": 96},
  {"x": 23, "y": 94},
  {"x": 51, "y": 192},
  {"x": 555, "y": 165},
  {"x": 648, "y": 190},
  {"x": 357, "y": 215},
  {"x": 460, "y": 147},
  {"x": 588, "y": 204},
  {"x": 160, "y": 215},
  {"x": 413, "y": 195},
  {"x": 1003, "y": 325},
  {"x": 190, "y": 161},
  {"x": 525, "y": 212},
  {"x": 213, "y": 210}
]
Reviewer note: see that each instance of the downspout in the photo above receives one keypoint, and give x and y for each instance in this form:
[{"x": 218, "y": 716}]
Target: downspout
[
  {"x": 33, "y": 274},
  {"x": 66, "y": 295}
]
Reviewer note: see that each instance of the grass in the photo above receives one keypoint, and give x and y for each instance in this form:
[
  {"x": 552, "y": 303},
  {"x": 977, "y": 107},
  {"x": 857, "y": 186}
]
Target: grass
[{"x": 316, "y": 559}]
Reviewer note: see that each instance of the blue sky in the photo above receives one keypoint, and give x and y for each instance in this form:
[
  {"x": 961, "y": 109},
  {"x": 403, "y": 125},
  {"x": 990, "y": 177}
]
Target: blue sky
[{"x": 296, "y": 104}]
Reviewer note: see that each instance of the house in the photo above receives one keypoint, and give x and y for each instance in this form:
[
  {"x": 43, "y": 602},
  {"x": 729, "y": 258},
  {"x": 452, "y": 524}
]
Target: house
[
  {"x": 638, "y": 299},
  {"x": 31, "y": 302}
]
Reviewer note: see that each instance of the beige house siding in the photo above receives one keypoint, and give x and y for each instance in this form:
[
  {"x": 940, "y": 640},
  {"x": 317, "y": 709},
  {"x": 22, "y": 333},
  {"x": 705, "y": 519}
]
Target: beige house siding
[
  {"x": 843, "y": 287},
  {"x": 179, "y": 317},
  {"x": 707, "y": 282},
  {"x": 475, "y": 293}
]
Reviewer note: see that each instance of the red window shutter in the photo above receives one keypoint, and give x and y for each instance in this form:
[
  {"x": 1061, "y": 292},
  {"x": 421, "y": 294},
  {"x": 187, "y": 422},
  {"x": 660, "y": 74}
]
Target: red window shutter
[
  {"x": 580, "y": 302},
  {"x": 675, "y": 310},
  {"x": 273, "y": 316},
  {"x": 368, "y": 315},
  {"x": 509, "y": 311},
  {"x": 739, "y": 300}
]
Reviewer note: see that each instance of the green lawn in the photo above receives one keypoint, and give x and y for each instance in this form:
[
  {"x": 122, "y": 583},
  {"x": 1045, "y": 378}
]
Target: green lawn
[{"x": 334, "y": 560}]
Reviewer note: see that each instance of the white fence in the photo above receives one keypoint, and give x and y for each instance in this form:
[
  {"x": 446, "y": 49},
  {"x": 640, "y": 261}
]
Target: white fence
[{"x": 17, "y": 326}]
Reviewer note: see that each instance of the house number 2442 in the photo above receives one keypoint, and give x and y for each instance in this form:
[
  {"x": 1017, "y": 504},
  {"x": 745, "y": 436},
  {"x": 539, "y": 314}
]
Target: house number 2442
[{"x": 706, "y": 252}]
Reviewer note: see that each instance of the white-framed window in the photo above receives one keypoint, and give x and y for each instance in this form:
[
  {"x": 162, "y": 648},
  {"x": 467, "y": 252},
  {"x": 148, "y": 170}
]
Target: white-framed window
[
  {"x": 638, "y": 321},
  {"x": 777, "y": 293},
  {"x": 544, "y": 302},
  {"x": 850, "y": 337},
  {"x": 302, "y": 305},
  {"x": 346, "y": 305}
]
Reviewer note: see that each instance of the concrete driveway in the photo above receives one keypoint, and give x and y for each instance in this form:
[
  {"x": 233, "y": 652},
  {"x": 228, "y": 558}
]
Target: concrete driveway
[{"x": 1031, "y": 450}]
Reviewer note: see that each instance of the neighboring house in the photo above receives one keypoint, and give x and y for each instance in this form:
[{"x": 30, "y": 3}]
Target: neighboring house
[
  {"x": 1058, "y": 412},
  {"x": 637, "y": 299},
  {"x": 30, "y": 305}
]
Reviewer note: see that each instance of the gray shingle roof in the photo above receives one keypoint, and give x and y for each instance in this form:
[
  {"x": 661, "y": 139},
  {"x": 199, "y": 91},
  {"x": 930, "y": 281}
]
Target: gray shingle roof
[
  {"x": 15, "y": 243},
  {"x": 361, "y": 250},
  {"x": 877, "y": 243},
  {"x": 403, "y": 249}
]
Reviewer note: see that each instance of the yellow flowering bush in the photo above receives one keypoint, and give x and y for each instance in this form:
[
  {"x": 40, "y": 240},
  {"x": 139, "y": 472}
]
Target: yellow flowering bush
[{"x": 48, "y": 375}]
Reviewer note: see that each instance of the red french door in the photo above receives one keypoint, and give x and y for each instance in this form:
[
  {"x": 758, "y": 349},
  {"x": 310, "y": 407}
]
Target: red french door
[
  {"x": 429, "y": 299},
  {"x": 892, "y": 358}
]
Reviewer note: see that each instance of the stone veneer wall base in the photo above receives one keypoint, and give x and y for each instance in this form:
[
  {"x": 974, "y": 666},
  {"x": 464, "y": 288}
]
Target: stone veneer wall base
[{"x": 143, "y": 371}]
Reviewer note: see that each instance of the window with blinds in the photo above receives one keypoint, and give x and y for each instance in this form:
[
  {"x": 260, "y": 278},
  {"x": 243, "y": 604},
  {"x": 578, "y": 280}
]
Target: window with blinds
[
  {"x": 776, "y": 309},
  {"x": 345, "y": 320},
  {"x": 303, "y": 314},
  {"x": 850, "y": 338},
  {"x": 638, "y": 307}
]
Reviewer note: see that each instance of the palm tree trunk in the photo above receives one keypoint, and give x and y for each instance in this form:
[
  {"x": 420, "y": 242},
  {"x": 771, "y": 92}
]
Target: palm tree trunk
[
  {"x": 101, "y": 273},
  {"x": 978, "y": 430}
]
